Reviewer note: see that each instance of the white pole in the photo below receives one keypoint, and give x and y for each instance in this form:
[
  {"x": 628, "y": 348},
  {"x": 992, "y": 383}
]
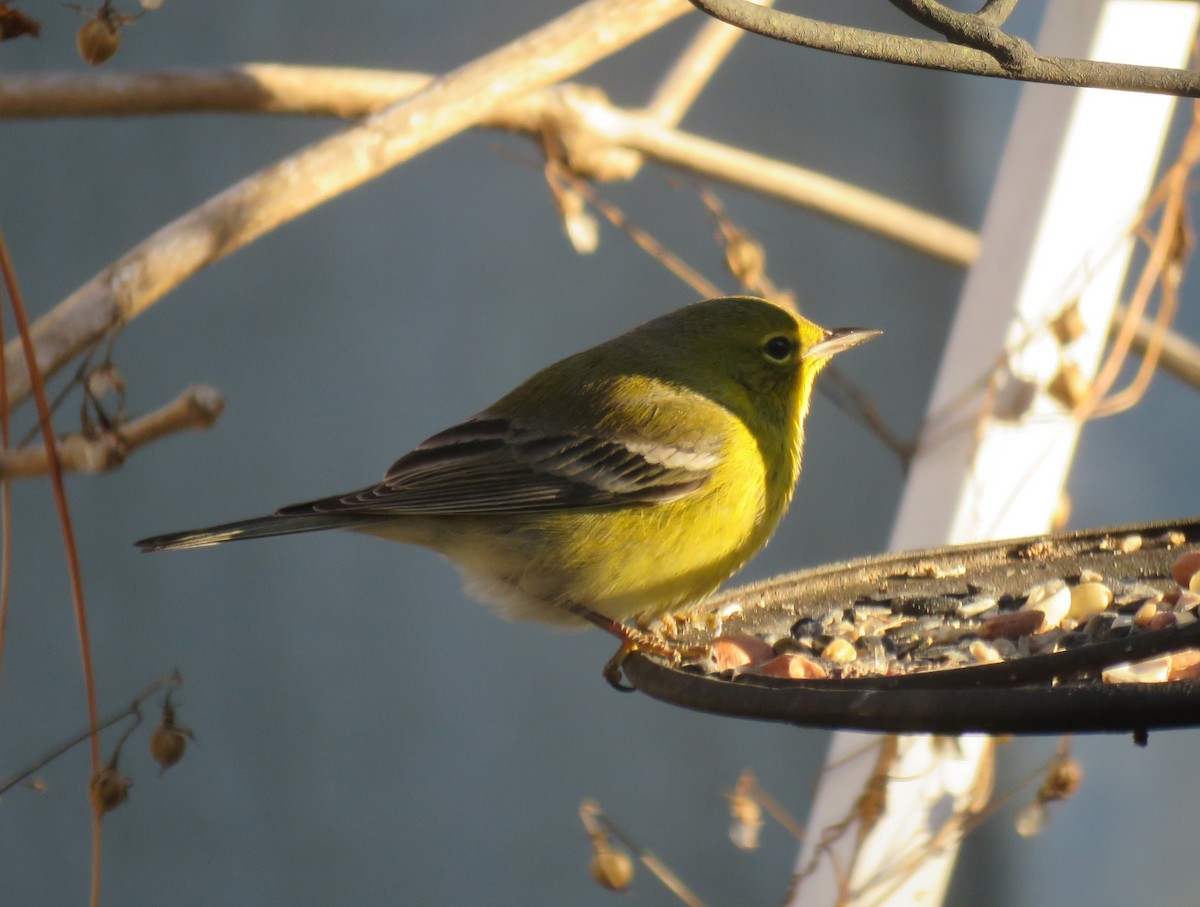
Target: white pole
[{"x": 1075, "y": 173}]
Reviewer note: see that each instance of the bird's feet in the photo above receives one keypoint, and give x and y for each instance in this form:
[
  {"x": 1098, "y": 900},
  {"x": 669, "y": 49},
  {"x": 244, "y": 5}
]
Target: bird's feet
[{"x": 632, "y": 640}]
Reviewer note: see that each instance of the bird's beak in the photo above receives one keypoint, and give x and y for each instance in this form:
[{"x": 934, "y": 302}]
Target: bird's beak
[{"x": 840, "y": 339}]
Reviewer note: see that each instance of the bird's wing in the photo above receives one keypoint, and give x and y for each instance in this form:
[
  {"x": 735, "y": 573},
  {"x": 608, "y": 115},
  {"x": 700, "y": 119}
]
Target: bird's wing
[{"x": 492, "y": 465}]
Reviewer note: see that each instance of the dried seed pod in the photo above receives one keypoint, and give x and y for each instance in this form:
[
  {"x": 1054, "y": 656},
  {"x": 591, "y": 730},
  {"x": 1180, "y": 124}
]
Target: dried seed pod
[
  {"x": 746, "y": 813},
  {"x": 169, "y": 740},
  {"x": 743, "y": 836},
  {"x": 104, "y": 379},
  {"x": 1030, "y": 820},
  {"x": 1062, "y": 779},
  {"x": 108, "y": 787},
  {"x": 98, "y": 39},
  {"x": 14, "y": 23},
  {"x": 612, "y": 869},
  {"x": 168, "y": 744}
]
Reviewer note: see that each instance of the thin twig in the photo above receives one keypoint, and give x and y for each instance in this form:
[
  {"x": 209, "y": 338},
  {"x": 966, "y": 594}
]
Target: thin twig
[
  {"x": 334, "y": 165},
  {"x": 970, "y": 31},
  {"x": 846, "y": 202},
  {"x": 314, "y": 90},
  {"x": 64, "y": 392},
  {"x": 594, "y": 817},
  {"x": 85, "y": 316},
  {"x": 997, "y": 11},
  {"x": 1163, "y": 252},
  {"x": 5, "y": 501},
  {"x": 251, "y": 88},
  {"x": 641, "y": 238},
  {"x": 196, "y": 408},
  {"x": 229, "y": 220},
  {"x": 692, "y": 70},
  {"x": 1178, "y": 356},
  {"x": 169, "y": 682},
  {"x": 1168, "y": 305},
  {"x": 948, "y": 57},
  {"x": 853, "y": 401},
  {"x": 776, "y": 810},
  {"x": 68, "y": 536}
]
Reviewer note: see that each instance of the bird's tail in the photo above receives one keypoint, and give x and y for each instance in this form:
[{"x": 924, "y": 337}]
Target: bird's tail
[{"x": 261, "y": 527}]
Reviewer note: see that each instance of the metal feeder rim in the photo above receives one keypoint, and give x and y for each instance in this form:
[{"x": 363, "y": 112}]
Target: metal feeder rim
[
  {"x": 1075, "y": 707},
  {"x": 1051, "y": 693}
]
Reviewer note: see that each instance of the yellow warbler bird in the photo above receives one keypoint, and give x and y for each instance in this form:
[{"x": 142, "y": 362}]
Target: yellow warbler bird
[{"x": 622, "y": 482}]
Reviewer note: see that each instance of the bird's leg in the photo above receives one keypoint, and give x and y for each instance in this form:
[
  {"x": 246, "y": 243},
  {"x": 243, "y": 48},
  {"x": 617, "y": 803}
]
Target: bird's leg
[{"x": 632, "y": 640}]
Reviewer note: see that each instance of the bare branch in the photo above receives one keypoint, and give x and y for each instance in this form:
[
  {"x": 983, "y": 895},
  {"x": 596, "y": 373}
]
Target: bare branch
[
  {"x": 695, "y": 66},
  {"x": 997, "y": 11},
  {"x": 841, "y": 200},
  {"x": 1178, "y": 355},
  {"x": 239, "y": 214},
  {"x": 315, "y": 90},
  {"x": 252, "y": 88},
  {"x": 171, "y": 682},
  {"x": 196, "y": 408},
  {"x": 890, "y": 48},
  {"x": 567, "y": 108},
  {"x": 970, "y": 31},
  {"x": 321, "y": 171}
]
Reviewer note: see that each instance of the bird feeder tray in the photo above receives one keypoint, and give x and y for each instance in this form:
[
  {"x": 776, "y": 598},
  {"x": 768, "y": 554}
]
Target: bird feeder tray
[{"x": 943, "y": 641}]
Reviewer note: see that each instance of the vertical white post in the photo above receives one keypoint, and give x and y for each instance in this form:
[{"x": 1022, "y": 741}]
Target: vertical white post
[{"x": 1075, "y": 173}]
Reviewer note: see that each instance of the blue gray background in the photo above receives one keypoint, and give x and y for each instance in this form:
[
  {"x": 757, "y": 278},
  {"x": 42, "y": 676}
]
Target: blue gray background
[{"x": 365, "y": 734}]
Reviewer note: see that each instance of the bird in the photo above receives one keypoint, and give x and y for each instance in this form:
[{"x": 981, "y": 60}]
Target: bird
[{"x": 621, "y": 483}]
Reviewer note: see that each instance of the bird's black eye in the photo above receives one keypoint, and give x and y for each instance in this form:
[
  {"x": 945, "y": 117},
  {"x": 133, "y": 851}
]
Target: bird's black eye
[{"x": 778, "y": 348}]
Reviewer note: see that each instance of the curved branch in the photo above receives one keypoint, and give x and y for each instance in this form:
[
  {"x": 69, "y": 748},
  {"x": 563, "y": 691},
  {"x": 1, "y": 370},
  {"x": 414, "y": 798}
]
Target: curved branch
[
  {"x": 1178, "y": 355},
  {"x": 889, "y": 48},
  {"x": 970, "y": 31},
  {"x": 997, "y": 11}
]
